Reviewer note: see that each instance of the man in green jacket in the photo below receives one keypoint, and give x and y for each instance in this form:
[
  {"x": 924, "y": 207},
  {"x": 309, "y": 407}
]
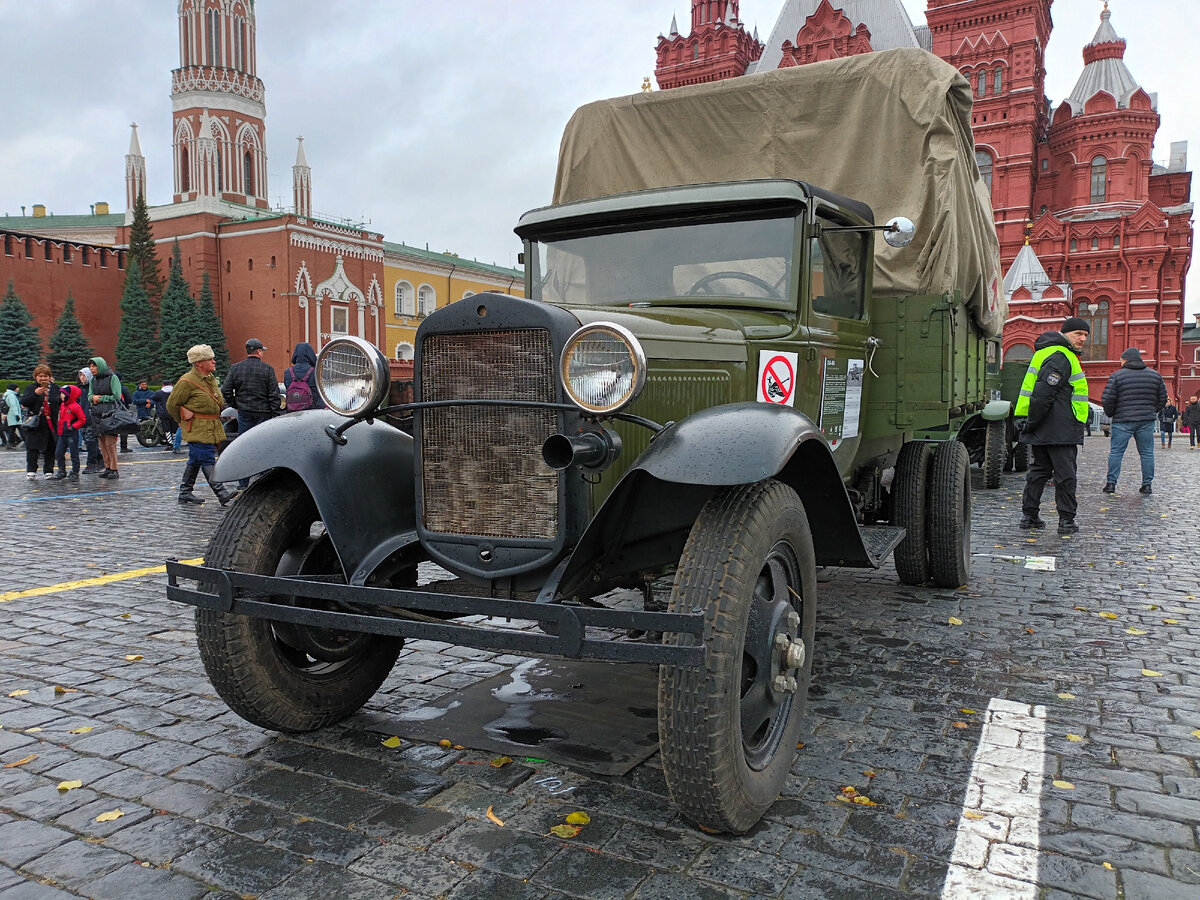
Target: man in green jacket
[{"x": 195, "y": 403}]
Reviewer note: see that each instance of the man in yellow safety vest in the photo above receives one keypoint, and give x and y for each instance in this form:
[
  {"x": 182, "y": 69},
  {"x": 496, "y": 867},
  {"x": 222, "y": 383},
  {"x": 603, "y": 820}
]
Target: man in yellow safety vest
[{"x": 1051, "y": 412}]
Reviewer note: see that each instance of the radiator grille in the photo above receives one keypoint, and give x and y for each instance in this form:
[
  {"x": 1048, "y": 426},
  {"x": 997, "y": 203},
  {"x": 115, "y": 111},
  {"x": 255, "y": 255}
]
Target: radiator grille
[{"x": 482, "y": 467}]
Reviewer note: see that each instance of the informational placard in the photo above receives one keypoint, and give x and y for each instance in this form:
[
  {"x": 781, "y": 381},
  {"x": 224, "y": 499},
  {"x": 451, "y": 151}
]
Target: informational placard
[
  {"x": 777, "y": 377},
  {"x": 841, "y": 398}
]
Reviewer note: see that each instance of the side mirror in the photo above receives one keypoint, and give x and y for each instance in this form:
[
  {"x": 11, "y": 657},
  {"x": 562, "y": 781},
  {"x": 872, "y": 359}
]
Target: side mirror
[{"x": 899, "y": 231}]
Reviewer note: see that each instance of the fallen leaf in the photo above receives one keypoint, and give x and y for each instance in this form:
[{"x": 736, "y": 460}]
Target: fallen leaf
[
  {"x": 974, "y": 816},
  {"x": 1150, "y": 673},
  {"x": 565, "y": 831},
  {"x": 960, "y": 725},
  {"x": 493, "y": 817},
  {"x": 1108, "y": 866},
  {"x": 1065, "y": 696},
  {"x": 869, "y": 773},
  {"x": 109, "y": 816},
  {"x": 20, "y": 693},
  {"x": 1107, "y": 615},
  {"x": 32, "y": 730},
  {"x": 123, "y": 615},
  {"x": 1074, "y": 738},
  {"x": 955, "y": 620},
  {"x": 82, "y": 729},
  {"x": 967, "y": 712},
  {"x": 134, "y": 657},
  {"x": 1029, "y": 631},
  {"x": 1170, "y": 621},
  {"x": 1153, "y": 606},
  {"x": 65, "y": 786},
  {"x": 51, "y": 527},
  {"x": 392, "y": 742},
  {"x": 1065, "y": 785},
  {"x": 578, "y": 818},
  {"x": 20, "y": 762},
  {"x": 500, "y": 762},
  {"x": 1196, "y": 733},
  {"x": 1132, "y": 630},
  {"x": 59, "y": 689},
  {"x": 1082, "y": 608},
  {"x": 445, "y": 743},
  {"x": 799, "y": 746}
]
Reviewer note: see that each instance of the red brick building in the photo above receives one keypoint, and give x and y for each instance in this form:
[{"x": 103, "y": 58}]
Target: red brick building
[{"x": 1089, "y": 225}]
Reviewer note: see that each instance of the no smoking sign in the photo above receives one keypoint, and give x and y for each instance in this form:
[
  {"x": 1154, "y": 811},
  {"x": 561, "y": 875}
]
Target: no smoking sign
[{"x": 777, "y": 377}]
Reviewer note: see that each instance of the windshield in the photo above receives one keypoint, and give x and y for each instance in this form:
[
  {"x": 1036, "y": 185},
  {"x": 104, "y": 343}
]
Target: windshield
[{"x": 697, "y": 263}]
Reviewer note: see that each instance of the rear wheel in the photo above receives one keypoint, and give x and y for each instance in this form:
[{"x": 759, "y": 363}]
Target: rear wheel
[
  {"x": 728, "y": 731},
  {"x": 950, "y": 515},
  {"x": 909, "y": 490},
  {"x": 148, "y": 433},
  {"x": 278, "y": 675},
  {"x": 993, "y": 453},
  {"x": 1021, "y": 457}
]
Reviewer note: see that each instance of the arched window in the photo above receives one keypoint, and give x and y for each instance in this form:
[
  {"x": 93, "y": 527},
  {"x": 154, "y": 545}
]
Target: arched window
[
  {"x": 1074, "y": 245},
  {"x": 404, "y": 351},
  {"x": 185, "y": 181},
  {"x": 426, "y": 300},
  {"x": 983, "y": 159},
  {"x": 997, "y": 81},
  {"x": 467, "y": 294},
  {"x": 1096, "y": 315},
  {"x": 1099, "y": 179},
  {"x": 213, "y": 37},
  {"x": 981, "y": 82},
  {"x": 1018, "y": 353},
  {"x": 248, "y": 173},
  {"x": 404, "y": 299},
  {"x": 1095, "y": 242}
]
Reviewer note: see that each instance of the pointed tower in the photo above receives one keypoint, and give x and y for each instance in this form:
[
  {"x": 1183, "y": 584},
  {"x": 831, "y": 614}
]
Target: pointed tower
[
  {"x": 135, "y": 170},
  {"x": 219, "y": 108},
  {"x": 301, "y": 182},
  {"x": 717, "y": 47}
]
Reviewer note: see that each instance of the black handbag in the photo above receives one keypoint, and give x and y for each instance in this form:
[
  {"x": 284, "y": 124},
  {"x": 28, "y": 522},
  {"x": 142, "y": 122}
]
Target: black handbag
[
  {"x": 121, "y": 419},
  {"x": 32, "y": 423}
]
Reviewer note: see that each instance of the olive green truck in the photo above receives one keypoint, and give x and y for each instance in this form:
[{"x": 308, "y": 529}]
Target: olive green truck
[{"x": 725, "y": 374}]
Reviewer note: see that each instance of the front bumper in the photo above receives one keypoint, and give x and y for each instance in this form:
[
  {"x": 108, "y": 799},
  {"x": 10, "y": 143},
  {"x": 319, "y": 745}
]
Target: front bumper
[{"x": 275, "y": 598}]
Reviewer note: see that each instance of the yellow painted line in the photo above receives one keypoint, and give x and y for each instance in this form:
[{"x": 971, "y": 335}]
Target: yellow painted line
[{"x": 90, "y": 582}]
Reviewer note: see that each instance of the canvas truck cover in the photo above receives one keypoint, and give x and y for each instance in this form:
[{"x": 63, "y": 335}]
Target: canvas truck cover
[{"x": 891, "y": 129}]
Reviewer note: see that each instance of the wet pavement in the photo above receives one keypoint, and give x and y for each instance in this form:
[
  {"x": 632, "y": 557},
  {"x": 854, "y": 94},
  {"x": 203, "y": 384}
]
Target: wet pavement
[{"x": 1034, "y": 734}]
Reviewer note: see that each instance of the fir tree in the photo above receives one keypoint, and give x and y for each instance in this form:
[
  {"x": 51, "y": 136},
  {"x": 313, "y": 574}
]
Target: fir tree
[
  {"x": 69, "y": 348},
  {"x": 20, "y": 346},
  {"x": 210, "y": 328},
  {"x": 179, "y": 328},
  {"x": 142, "y": 250},
  {"x": 137, "y": 344}
]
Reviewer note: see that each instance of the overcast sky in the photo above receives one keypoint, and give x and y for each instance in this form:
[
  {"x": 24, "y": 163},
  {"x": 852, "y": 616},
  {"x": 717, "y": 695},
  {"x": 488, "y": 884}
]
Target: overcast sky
[{"x": 435, "y": 122}]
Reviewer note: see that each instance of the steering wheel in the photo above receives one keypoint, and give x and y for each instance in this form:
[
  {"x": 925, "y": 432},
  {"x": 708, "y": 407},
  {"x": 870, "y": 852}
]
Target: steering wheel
[{"x": 702, "y": 285}]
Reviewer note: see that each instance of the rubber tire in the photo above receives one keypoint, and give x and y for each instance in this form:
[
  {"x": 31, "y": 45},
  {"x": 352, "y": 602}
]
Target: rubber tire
[
  {"x": 949, "y": 513},
  {"x": 1021, "y": 457},
  {"x": 699, "y": 710},
  {"x": 909, "y": 490},
  {"x": 242, "y": 654},
  {"x": 993, "y": 454},
  {"x": 145, "y": 439}
]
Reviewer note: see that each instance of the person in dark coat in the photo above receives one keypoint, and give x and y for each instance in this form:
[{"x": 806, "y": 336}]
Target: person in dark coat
[
  {"x": 142, "y": 400},
  {"x": 42, "y": 399},
  {"x": 1166, "y": 422},
  {"x": 1051, "y": 410},
  {"x": 304, "y": 368},
  {"x": 1133, "y": 397},
  {"x": 1191, "y": 419}
]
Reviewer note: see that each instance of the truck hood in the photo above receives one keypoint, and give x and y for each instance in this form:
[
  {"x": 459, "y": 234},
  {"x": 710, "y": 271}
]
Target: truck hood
[{"x": 669, "y": 332}]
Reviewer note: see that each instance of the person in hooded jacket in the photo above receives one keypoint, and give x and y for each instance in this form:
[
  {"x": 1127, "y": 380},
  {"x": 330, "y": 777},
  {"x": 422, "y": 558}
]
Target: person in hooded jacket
[
  {"x": 94, "y": 464},
  {"x": 1051, "y": 410},
  {"x": 71, "y": 420},
  {"x": 1133, "y": 397},
  {"x": 304, "y": 368},
  {"x": 104, "y": 390},
  {"x": 12, "y": 417},
  {"x": 42, "y": 399}
]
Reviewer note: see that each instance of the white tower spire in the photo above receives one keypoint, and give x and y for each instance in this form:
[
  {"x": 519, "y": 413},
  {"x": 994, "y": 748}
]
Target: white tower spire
[
  {"x": 301, "y": 182},
  {"x": 135, "y": 170}
]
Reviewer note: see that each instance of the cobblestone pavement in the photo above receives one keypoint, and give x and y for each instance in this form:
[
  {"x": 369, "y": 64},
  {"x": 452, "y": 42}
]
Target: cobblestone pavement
[{"x": 1034, "y": 734}]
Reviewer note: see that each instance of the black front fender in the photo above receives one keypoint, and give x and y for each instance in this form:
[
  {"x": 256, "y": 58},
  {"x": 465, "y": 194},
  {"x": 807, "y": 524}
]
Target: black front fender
[
  {"x": 363, "y": 489},
  {"x": 642, "y": 525}
]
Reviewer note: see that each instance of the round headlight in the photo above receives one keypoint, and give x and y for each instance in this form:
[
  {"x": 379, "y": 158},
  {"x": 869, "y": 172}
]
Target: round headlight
[
  {"x": 352, "y": 376},
  {"x": 603, "y": 368}
]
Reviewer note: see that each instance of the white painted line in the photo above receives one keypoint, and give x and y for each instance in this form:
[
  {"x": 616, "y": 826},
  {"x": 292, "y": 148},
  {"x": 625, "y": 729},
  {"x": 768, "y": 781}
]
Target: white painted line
[{"x": 996, "y": 849}]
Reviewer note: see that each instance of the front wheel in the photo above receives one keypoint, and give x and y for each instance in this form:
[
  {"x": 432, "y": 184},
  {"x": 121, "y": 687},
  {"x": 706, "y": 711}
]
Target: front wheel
[
  {"x": 148, "y": 433},
  {"x": 728, "y": 731},
  {"x": 273, "y": 674}
]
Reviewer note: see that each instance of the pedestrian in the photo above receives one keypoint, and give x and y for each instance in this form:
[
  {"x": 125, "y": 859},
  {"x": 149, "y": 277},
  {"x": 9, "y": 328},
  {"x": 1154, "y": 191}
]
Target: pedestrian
[
  {"x": 195, "y": 402},
  {"x": 127, "y": 399},
  {"x": 1166, "y": 420},
  {"x": 1133, "y": 397},
  {"x": 12, "y": 417},
  {"x": 104, "y": 391},
  {"x": 94, "y": 464},
  {"x": 252, "y": 389},
  {"x": 1051, "y": 410},
  {"x": 303, "y": 374},
  {"x": 141, "y": 400},
  {"x": 41, "y": 399},
  {"x": 1190, "y": 419},
  {"x": 71, "y": 421}
]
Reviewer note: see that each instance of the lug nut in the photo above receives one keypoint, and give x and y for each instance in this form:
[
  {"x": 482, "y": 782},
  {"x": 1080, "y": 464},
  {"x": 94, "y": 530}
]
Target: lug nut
[
  {"x": 780, "y": 684},
  {"x": 793, "y": 619},
  {"x": 782, "y": 641},
  {"x": 792, "y": 685},
  {"x": 796, "y": 655}
]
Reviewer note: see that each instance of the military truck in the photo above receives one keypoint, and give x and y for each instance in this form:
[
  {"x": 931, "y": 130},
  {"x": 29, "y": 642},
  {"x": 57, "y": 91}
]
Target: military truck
[{"x": 713, "y": 389}]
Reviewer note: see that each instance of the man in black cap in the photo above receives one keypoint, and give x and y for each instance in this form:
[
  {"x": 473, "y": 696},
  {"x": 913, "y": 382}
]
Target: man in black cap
[
  {"x": 1133, "y": 396},
  {"x": 252, "y": 389},
  {"x": 1051, "y": 411}
]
